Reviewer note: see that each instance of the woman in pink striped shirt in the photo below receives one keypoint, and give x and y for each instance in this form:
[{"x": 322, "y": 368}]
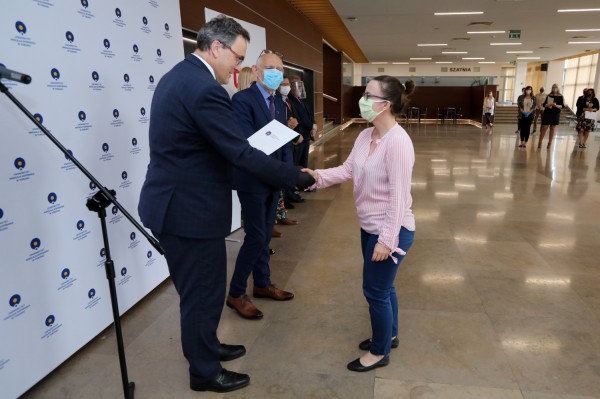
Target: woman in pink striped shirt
[{"x": 380, "y": 166}]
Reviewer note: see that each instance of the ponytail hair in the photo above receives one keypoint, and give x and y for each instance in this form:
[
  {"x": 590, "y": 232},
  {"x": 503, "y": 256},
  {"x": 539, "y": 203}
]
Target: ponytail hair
[{"x": 395, "y": 92}]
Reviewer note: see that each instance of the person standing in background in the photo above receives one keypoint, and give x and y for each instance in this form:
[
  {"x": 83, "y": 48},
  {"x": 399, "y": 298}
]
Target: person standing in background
[
  {"x": 526, "y": 110},
  {"x": 589, "y": 103},
  {"x": 551, "y": 117},
  {"x": 488, "y": 109},
  {"x": 539, "y": 100},
  {"x": 254, "y": 108},
  {"x": 245, "y": 78},
  {"x": 519, "y": 112},
  {"x": 292, "y": 123}
]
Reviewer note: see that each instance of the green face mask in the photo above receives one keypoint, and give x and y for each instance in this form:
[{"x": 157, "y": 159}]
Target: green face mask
[{"x": 366, "y": 109}]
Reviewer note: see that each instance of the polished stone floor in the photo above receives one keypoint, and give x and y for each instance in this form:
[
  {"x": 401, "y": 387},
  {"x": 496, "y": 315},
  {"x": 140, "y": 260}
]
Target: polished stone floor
[{"x": 499, "y": 296}]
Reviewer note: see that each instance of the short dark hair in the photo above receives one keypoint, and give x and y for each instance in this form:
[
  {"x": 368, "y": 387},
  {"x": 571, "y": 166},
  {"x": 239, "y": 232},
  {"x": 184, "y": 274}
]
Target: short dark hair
[
  {"x": 221, "y": 28},
  {"x": 395, "y": 92}
]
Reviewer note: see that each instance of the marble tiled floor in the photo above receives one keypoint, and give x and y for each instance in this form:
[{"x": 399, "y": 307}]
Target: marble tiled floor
[{"x": 499, "y": 296}]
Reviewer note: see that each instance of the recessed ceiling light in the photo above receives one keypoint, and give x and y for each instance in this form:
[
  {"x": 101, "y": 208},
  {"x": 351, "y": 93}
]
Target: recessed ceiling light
[
  {"x": 419, "y": 58},
  {"x": 519, "y": 52},
  {"x": 528, "y": 58},
  {"x": 459, "y": 13},
  {"x": 443, "y": 62},
  {"x": 505, "y": 44},
  {"x": 582, "y": 30},
  {"x": 352, "y": 19},
  {"x": 579, "y": 10},
  {"x": 431, "y": 44},
  {"x": 473, "y": 58},
  {"x": 378, "y": 62},
  {"x": 486, "y": 62},
  {"x": 584, "y": 42},
  {"x": 455, "y": 52},
  {"x": 400, "y": 63},
  {"x": 486, "y": 32}
]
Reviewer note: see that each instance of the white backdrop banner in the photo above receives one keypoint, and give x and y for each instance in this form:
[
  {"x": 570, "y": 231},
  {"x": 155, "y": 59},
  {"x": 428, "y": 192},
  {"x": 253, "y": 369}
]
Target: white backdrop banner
[{"x": 94, "y": 66}]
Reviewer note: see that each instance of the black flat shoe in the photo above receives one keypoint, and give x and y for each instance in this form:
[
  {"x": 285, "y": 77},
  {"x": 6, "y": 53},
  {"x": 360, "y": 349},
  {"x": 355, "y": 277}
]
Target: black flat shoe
[
  {"x": 357, "y": 366},
  {"x": 230, "y": 352},
  {"x": 225, "y": 381},
  {"x": 366, "y": 344}
]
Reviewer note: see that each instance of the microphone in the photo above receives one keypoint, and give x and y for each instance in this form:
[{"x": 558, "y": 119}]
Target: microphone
[{"x": 14, "y": 75}]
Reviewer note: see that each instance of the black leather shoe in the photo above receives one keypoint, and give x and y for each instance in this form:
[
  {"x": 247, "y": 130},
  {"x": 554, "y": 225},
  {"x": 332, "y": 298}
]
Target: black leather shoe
[
  {"x": 225, "y": 381},
  {"x": 295, "y": 197},
  {"x": 357, "y": 366},
  {"x": 366, "y": 344},
  {"x": 230, "y": 352}
]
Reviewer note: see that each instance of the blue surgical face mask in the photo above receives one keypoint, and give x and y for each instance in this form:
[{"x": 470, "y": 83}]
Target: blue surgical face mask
[{"x": 272, "y": 78}]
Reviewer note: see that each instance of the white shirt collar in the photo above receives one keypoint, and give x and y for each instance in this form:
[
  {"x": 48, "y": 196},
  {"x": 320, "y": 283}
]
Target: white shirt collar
[{"x": 212, "y": 71}]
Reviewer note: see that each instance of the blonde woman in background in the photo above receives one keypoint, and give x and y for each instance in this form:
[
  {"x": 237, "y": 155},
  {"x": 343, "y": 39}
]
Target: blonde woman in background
[
  {"x": 551, "y": 116},
  {"x": 488, "y": 109},
  {"x": 246, "y": 78}
]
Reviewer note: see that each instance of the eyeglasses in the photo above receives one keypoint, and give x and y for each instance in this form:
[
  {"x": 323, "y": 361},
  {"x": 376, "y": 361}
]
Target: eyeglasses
[
  {"x": 265, "y": 51},
  {"x": 238, "y": 57},
  {"x": 368, "y": 95}
]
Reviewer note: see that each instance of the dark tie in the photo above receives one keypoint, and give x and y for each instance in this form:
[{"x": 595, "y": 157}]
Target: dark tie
[{"x": 272, "y": 106}]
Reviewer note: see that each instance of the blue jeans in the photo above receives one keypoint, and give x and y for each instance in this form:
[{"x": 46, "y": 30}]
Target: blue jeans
[{"x": 378, "y": 287}]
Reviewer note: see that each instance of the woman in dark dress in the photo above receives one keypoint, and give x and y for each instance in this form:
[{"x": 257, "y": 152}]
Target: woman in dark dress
[
  {"x": 551, "y": 117},
  {"x": 587, "y": 102}
]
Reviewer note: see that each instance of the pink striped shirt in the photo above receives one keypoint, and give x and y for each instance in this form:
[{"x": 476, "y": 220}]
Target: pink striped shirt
[{"x": 382, "y": 183}]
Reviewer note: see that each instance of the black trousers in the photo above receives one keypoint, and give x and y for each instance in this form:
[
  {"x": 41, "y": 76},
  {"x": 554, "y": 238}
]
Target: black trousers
[
  {"x": 199, "y": 271},
  {"x": 525, "y": 126}
]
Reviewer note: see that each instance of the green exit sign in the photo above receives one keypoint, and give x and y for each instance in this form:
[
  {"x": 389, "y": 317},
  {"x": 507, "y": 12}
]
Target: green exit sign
[{"x": 514, "y": 34}]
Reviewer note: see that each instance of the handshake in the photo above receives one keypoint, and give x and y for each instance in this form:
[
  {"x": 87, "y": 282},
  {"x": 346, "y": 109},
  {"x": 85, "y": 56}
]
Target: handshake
[{"x": 306, "y": 178}]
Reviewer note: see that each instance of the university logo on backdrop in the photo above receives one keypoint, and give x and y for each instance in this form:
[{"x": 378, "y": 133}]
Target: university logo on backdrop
[
  {"x": 15, "y": 300},
  {"x": 21, "y": 38},
  {"x": 70, "y": 46},
  {"x": 96, "y": 85},
  {"x": 56, "y": 83},
  {"x": 22, "y": 173},
  {"x": 119, "y": 20},
  {"x": 54, "y": 207}
]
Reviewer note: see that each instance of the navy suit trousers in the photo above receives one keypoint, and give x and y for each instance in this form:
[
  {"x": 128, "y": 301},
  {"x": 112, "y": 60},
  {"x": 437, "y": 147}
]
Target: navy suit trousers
[
  {"x": 258, "y": 213},
  {"x": 199, "y": 271}
]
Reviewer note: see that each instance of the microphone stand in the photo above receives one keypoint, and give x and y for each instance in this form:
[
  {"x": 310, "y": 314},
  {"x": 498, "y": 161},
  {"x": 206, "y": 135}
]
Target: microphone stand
[{"x": 98, "y": 203}]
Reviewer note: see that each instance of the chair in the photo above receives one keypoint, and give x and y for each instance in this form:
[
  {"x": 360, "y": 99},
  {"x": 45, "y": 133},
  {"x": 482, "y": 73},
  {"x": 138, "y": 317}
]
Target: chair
[
  {"x": 414, "y": 113},
  {"x": 451, "y": 114},
  {"x": 441, "y": 114},
  {"x": 423, "y": 114}
]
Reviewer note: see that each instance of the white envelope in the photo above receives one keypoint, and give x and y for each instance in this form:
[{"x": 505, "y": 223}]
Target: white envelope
[
  {"x": 591, "y": 115},
  {"x": 271, "y": 137}
]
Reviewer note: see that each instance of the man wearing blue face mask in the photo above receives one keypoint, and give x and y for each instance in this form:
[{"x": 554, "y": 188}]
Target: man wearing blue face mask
[{"x": 254, "y": 108}]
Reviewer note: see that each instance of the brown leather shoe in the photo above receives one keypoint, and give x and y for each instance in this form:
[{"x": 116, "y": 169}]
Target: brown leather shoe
[
  {"x": 270, "y": 291},
  {"x": 276, "y": 234},
  {"x": 287, "y": 222},
  {"x": 244, "y": 306}
]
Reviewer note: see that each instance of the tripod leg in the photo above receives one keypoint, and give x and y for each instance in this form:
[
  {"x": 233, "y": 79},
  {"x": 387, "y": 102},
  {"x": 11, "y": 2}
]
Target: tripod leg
[{"x": 109, "y": 266}]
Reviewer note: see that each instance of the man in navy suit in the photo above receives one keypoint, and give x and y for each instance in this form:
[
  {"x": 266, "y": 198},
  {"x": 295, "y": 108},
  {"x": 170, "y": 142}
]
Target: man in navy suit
[
  {"x": 186, "y": 198},
  {"x": 254, "y": 108}
]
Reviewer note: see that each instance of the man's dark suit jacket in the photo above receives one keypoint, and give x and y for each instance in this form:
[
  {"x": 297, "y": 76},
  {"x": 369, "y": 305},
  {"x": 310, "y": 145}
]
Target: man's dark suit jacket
[
  {"x": 252, "y": 114},
  {"x": 304, "y": 116},
  {"x": 195, "y": 142}
]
